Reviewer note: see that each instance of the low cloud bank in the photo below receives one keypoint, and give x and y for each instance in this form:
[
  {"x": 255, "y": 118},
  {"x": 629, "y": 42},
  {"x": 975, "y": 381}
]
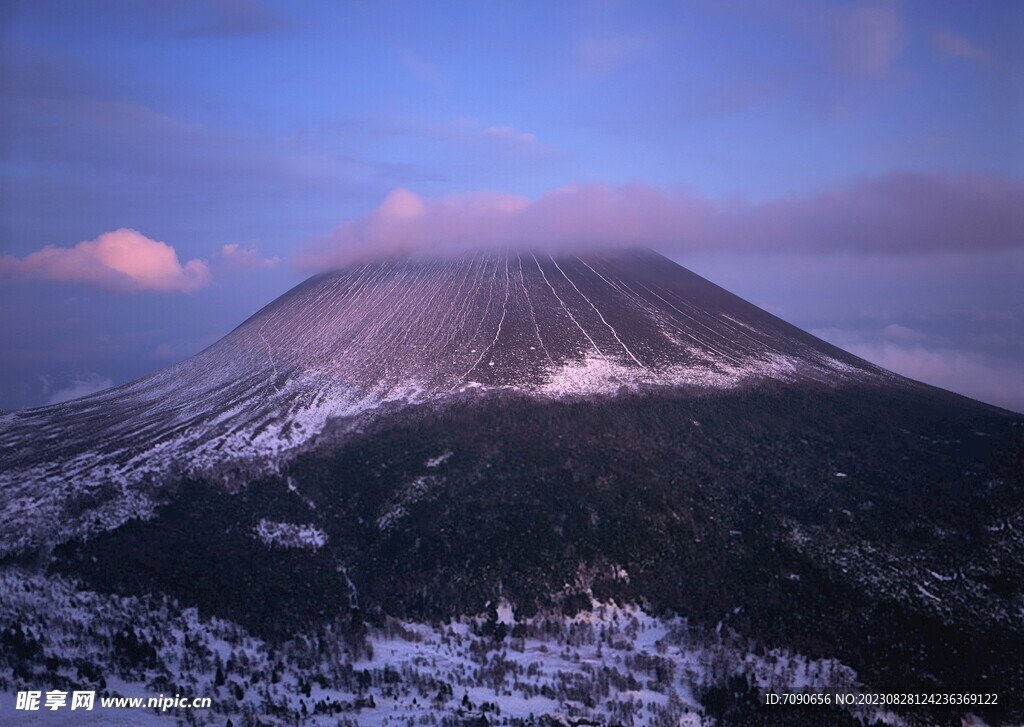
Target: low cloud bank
[
  {"x": 122, "y": 260},
  {"x": 911, "y": 353},
  {"x": 897, "y": 213},
  {"x": 79, "y": 386}
]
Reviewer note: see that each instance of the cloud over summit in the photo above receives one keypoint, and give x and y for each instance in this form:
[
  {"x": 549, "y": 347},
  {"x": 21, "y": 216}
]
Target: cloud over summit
[{"x": 897, "y": 213}]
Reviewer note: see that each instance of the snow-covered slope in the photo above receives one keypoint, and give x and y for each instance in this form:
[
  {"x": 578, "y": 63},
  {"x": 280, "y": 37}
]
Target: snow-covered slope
[{"x": 406, "y": 331}]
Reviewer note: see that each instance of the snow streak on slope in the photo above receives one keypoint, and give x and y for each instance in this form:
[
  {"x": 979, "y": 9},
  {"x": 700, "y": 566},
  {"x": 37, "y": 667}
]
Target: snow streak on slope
[{"x": 411, "y": 331}]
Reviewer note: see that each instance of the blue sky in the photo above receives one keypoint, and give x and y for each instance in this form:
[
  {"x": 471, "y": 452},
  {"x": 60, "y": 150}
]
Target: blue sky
[{"x": 855, "y": 167}]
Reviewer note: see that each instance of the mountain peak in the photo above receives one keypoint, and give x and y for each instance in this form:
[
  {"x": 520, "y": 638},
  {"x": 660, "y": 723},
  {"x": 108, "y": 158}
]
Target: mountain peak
[{"x": 530, "y": 321}]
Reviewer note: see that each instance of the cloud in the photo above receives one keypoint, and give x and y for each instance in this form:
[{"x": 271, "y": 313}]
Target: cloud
[
  {"x": 236, "y": 257},
  {"x": 857, "y": 40},
  {"x": 122, "y": 260},
  {"x": 474, "y": 135},
  {"x": 896, "y": 332},
  {"x": 866, "y": 37},
  {"x": 191, "y": 18},
  {"x": 424, "y": 72},
  {"x": 952, "y": 45},
  {"x": 82, "y": 151},
  {"x": 233, "y": 18},
  {"x": 508, "y": 134},
  {"x": 894, "y": 214},
  {"x": 96, "y": 135},
  {"x": 897, "y": 212},
  {"x": 80, "y": 385},
  {"x": 607, "y": 52},
  {"x": 970, "y": 372}
]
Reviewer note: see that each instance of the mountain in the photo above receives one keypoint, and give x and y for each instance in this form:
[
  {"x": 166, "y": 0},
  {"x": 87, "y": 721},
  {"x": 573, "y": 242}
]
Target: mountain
[
  {"x": 390, "y": 333},
  {"x": 423, "y": 439}
]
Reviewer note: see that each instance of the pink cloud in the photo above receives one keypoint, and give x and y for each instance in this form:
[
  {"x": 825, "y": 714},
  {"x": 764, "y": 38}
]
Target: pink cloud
[
  {"x": 896, "y": 213},
  {"x": 123, "y": 260}
]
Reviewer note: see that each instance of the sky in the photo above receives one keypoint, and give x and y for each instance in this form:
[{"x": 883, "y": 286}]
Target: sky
[{"x": 169, "y": 167}]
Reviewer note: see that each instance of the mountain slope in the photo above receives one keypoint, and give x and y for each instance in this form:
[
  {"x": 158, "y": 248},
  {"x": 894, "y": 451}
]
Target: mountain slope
[
  {"x": 872, "y": 525},
  {"x": 394, "y": 332}
]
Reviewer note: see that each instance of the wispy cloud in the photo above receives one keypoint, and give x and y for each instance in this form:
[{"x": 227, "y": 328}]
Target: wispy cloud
[
  {"x": 469, "y": 132},
  {"x": 608, "y": 52},
  {"x": 467, "y": 139},
  {"x": 892, "y": 214},
  {"x": 192, "y": 18},
  {"x": 236, "y": 257},
  {"x": 481, "y": 137},
  {"x": 423, "y": 71},
  {"x": 862, "y": 39},
  {"x": 865, "y": 38},
  {"x": 122, "y": 260},
  {"x": 77, "y": 146},
  {"x": 508, "y": 134},
  {"x": 232, "y": 18},
  {"x": 78, "y": 386},
  {"x": 957, "y": 46}
]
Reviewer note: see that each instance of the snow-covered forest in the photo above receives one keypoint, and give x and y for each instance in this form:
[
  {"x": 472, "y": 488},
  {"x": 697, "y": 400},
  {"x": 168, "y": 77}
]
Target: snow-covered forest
[{"x": 606, "y": 665}]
